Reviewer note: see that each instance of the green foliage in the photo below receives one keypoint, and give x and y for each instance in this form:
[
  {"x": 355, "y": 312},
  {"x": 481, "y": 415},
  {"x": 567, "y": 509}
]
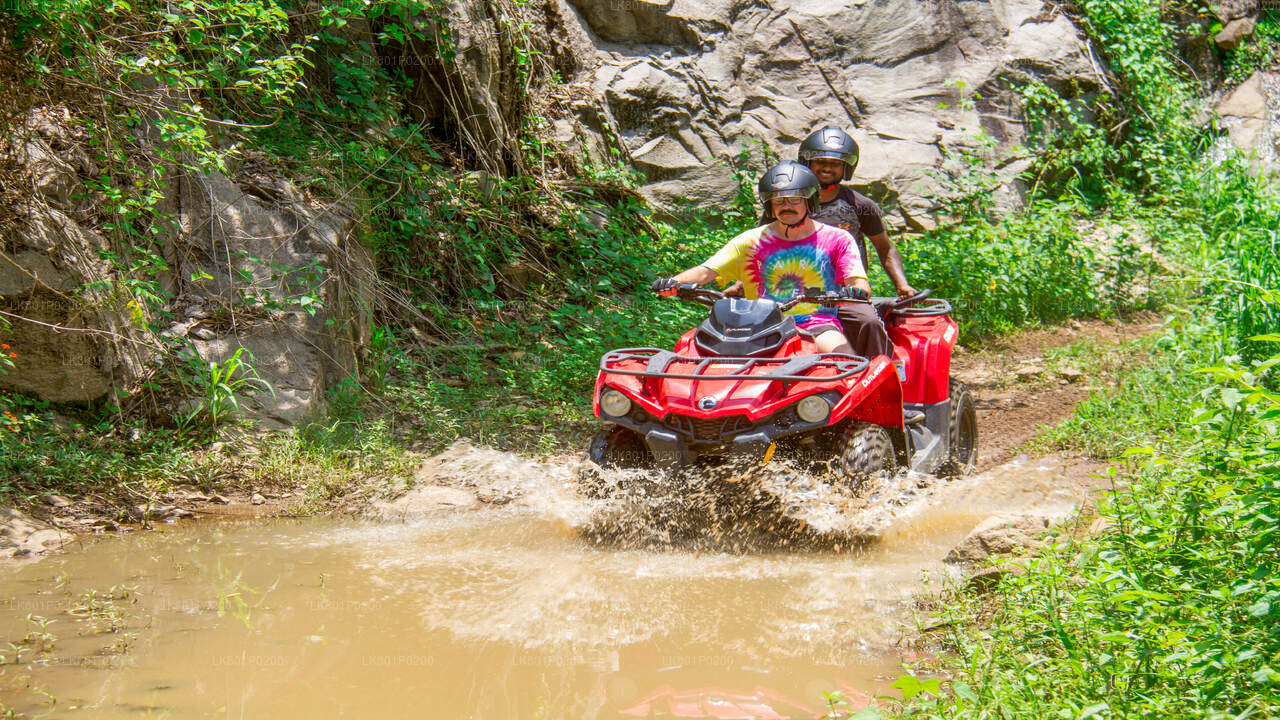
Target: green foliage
[
  {"x": 1151, "y": 397},
  {"x": 1129, "y": 136},
  {"x": 1171, "y": 613},
  {"x": 1258, "y": 52},
  {"x": 1029, "y": 268},
  {"x": 219, "y": 387}
]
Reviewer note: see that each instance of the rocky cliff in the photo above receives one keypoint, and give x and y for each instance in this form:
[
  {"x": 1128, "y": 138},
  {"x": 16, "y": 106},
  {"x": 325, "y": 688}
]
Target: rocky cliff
[{"x": 685, "y": 85}]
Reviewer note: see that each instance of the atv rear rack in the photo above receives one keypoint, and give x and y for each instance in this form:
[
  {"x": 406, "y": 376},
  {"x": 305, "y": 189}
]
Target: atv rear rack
[{"x": 789, "y": 369}]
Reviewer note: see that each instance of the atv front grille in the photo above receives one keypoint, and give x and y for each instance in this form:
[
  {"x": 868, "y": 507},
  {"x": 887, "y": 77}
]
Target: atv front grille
[{"x": 708, "y": 429}]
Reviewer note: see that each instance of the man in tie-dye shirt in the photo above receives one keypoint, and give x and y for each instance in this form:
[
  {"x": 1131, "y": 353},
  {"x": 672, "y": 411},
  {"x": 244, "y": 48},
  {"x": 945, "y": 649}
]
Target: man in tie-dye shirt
[{"x": 792, "y": 252}]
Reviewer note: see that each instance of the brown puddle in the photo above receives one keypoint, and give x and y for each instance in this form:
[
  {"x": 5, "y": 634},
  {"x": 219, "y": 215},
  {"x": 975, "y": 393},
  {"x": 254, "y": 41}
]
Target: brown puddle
[{"x": 498, "y": 613}]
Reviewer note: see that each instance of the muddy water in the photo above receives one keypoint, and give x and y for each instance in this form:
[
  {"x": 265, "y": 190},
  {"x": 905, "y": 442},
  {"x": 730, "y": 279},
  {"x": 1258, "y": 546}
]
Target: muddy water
[{"x": 497, "y": 613}]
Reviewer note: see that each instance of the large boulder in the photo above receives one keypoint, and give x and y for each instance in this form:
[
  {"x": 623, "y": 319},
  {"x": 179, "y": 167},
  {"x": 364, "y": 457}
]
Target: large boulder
[
  {"x": 284, "y": 282},
  {"x": 251, "y": 263},
  {"x": 687, "y": 85},
  {"x": 1248, "y": 114}
]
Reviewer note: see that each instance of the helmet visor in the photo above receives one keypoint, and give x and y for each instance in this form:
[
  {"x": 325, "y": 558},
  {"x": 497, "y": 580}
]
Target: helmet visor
[
  {"x": 801, "y": 192},
  {"x": 807, "y": 154}
]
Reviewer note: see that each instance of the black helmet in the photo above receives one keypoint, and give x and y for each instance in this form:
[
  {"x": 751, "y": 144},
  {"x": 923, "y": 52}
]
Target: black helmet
[
  {"x": 788, "y": 179},
  {"x": 831, "y": 142}
]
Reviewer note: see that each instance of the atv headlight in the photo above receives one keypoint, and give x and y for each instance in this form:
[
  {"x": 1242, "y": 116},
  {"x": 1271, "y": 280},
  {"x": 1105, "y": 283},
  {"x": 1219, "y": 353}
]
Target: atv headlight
[
  {"x": 813, "y": 409},
  {"x": 614, "y": 403}
]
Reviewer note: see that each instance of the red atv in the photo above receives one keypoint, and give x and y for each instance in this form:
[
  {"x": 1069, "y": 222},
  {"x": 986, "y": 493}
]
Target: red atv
[{"x": 746, "y": 383}]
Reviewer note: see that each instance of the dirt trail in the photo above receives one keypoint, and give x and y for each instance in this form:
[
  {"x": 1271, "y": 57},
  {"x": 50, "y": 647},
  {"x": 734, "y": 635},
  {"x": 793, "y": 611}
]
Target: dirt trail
[{"x": 1021, "y": 388}]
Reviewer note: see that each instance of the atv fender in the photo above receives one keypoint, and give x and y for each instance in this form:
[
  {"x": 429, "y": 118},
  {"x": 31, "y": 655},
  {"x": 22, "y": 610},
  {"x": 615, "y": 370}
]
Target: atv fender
[{"x": 875, "y": 398}]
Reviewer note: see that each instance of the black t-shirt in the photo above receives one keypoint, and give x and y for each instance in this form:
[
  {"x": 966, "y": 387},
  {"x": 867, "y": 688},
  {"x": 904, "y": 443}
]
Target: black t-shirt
[{"x": 858, "y": 214}]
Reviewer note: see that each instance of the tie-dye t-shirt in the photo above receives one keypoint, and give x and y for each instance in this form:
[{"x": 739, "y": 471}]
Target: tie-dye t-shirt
[{"x": 776, "y": 268}]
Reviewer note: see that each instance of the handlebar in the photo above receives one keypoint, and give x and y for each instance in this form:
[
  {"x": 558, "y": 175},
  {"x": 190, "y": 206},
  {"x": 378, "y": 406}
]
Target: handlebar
[
  {"x": 708, "y": 296},
  {"x": 908, "y": 301}
]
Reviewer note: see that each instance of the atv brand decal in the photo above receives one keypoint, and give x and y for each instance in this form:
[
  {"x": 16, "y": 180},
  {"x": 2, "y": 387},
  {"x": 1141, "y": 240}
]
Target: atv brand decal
[
  {"x": 949, "y": 334},
  {"x": 872, "y": 373},
  {"x": 707, "y": 403}
]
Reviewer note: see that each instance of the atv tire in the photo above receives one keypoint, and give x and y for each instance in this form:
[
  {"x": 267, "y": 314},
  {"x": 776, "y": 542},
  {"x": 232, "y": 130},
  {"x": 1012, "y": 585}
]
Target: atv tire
[
  {"x": 615, "y": 448},
  {"x": 867, "y": 457},
  {"x": 963, "y": 428}
]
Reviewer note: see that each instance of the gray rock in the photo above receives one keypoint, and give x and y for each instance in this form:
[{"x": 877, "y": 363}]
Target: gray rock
[
  {"x": 685, "y": 85},
  {"x": 257, "y": 499},
  {"x": 21, "y": 535},
  {"x": 1228, "y": 10},
  {"x": 1249, "y": 100},
  {"x": 1070, "y": 374},
  {"x": 999, "y": 535},
  {"x": 55, "y": 254},
  {"x": 56, "y": 501},
  {"x": 1234, "y": 33},
  {"x": 42, "y": 541},
  {"x": 152, "y": 512},
  {"x": 1029, "y": 371}
]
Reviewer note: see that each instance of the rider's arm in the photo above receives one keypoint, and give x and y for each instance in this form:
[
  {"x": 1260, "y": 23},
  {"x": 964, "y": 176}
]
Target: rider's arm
[
  {"x": 891, "y": 259},
  {"x": 860, "y": 283},
  {"x": 699, "y": 274}
]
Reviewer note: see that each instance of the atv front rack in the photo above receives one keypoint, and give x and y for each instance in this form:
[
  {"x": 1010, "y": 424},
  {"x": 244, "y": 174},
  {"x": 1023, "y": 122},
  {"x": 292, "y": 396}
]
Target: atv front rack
[{"x": 789, "y": 369}]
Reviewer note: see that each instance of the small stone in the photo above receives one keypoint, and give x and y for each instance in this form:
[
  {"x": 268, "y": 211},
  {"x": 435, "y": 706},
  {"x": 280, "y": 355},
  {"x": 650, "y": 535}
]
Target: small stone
[
  {"x": 56, "y": 500},
  {"x": 985, "y": 580},
  {"x": 151, "y": 512},
  {"x": 217, "y": 447},
  {"x": 1234, "y": 33},
  {"x": 198, "y": 312},
  {"x": 998, "y": 535},
  {"x": 203, "y": 333},
  {"x": 257, "y": 499},
  {"x": 178, "y": 513},
  {"x": 1030, "y": 371},
  {"x": 219, "y": 500},
  {"x": 1070, "y": 374}
]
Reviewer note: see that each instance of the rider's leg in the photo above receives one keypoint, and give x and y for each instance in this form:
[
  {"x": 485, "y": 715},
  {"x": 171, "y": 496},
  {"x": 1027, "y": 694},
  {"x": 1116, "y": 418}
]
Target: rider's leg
[
  {"x": 832, "y": 341},
  {"x": 865, "y": 331}
]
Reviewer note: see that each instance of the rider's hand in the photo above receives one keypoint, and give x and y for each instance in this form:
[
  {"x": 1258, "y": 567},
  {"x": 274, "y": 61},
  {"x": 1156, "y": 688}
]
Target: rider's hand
[
  {"x": 905, "y": 292},
  {"x": 665, "y": 286},
  {"x": 854, "y": 293}
]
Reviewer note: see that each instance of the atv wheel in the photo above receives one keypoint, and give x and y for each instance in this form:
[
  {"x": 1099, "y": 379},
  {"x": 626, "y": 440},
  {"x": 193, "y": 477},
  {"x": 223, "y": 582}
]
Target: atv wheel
[
  {"x": 615, "y": 448},
  {"x": 866, "y": 456},
  {"x": 963, "y": 455}
]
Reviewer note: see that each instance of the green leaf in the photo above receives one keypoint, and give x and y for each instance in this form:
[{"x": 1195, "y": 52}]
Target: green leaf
[
  {"x": 909, "y": 685},
  {"x": 1094, "y": 710}
]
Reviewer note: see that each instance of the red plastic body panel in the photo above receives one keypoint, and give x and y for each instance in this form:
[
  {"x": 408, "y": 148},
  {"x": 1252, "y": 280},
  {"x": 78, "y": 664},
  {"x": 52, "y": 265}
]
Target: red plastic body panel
[
  {"x": 873, "y": 395},
  {"x": 923, "y": 346},
  {"x": 876, "y": 396}
]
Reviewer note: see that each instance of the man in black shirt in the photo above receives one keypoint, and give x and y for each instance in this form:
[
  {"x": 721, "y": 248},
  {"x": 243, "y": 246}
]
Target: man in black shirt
[{"x": 832, "y": 155}]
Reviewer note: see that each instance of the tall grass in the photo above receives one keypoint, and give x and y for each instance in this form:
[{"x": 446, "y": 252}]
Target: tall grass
[{"x": 1169, "y": 610}]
